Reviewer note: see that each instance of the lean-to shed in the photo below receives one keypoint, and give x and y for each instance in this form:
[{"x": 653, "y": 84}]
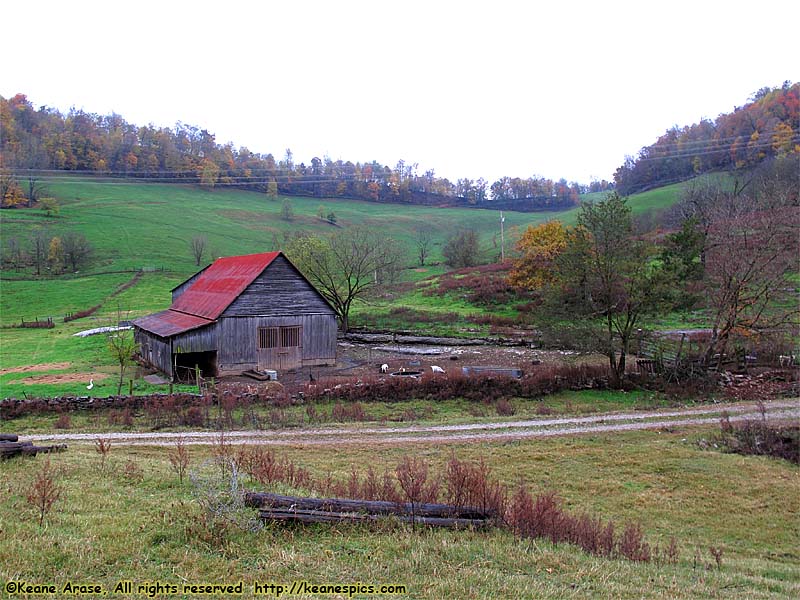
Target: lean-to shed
[{"x": 239, "y": 313}]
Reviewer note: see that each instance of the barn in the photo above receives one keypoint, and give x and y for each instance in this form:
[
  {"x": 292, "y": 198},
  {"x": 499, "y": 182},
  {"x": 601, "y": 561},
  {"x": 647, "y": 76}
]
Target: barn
[{"x": 240, "y": 313}]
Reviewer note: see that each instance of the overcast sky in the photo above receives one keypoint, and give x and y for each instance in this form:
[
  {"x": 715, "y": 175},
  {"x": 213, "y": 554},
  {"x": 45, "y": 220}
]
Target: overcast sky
[{"x": 469, "y": 89}]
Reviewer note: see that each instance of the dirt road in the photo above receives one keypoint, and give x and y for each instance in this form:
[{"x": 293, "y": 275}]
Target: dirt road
[{"x": 490, "y": 431}]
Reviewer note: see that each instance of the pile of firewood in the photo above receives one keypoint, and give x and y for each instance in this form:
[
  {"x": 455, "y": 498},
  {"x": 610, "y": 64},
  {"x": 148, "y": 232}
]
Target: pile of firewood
[
  {"x": 11, "y": 446},
  {"x": 275, "y": 507}
]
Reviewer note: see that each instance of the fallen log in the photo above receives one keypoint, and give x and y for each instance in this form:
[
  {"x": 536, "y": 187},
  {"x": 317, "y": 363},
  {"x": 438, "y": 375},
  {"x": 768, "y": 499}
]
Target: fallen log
[
  {"x": 318, "y": 516},
  {"x": 10, "y": 449},
  {"x": 267, "y": 500},
  {"x": 8, "y": 437}
]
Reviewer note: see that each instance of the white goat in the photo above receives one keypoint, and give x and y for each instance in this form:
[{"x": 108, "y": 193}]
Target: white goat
[{"x": 384, "y": 368}]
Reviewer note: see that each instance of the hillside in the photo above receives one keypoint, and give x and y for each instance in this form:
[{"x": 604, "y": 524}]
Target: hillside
[
  {"x": 766, "y": 127},
  {"x": 140, "y": 234},
  {"x": 136, "y": 226}
]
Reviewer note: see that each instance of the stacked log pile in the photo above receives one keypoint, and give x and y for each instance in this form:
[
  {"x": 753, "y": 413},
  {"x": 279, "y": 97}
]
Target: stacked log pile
[
  {"x": 274, "y": 507},
  {"x": 11, "y": 446}
]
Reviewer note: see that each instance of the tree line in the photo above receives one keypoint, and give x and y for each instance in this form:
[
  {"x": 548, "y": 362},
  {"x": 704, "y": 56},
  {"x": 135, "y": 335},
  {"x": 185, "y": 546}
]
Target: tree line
[
  {"x": 768, "y": 126},
  {"x": 35, "y": 143}
]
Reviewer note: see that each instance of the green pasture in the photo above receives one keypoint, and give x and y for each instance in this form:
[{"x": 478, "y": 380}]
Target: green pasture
[{"x": 142, "y": 227}]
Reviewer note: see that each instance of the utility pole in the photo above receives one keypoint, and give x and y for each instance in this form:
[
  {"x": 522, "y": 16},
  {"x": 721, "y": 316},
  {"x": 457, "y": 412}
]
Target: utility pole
[{"x": 502, "y": 238}]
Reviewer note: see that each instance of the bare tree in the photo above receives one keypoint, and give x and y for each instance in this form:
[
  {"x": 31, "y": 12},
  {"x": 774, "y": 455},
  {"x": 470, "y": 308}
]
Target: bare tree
[
  {"x": 198, "y": 247},
  {"x": 77, "y": 249},
  {"x": 346, "y": 266},
  {"x": 751, "y": 246},
  {"x": 462, "y": 250},
  {"x": 40, "y": 245},
  {"x": 423, "y": 238},
  {"x": 122, "y": 346},
  {"x": 12, "y": 254}
]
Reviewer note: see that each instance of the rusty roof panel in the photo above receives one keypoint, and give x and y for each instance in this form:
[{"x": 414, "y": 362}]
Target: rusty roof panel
[
  {"x": 169, "y": 322},
  {"x": 221, "y": 283}
]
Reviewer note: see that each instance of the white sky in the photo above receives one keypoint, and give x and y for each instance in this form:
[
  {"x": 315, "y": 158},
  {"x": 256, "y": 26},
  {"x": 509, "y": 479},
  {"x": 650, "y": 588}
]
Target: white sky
[{"x": 471, "y": 89}]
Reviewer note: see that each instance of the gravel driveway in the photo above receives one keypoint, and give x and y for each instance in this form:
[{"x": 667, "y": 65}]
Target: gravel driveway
[{"x": 489, "y": 431}]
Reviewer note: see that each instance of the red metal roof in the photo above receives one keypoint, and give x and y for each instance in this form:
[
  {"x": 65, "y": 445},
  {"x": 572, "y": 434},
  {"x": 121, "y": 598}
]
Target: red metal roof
[
  {"x": 220, "y": 284},
  {"x": 169, "y": 322}
]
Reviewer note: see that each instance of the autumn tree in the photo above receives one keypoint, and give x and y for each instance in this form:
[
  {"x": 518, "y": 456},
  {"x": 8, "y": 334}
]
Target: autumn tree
[
  {"x": 538, "y": 247},
  {"x": 462, "y": 249},
  {"x": 55, "y": 255},
  {"x": 346, "y": 266},
  {"x": 607, "y": 282},
  {"x": 287, "y": 213},
  {"x": 209, "y": 174},
  {"x": 10, "y": 192},
  {"x": 272, "y": 189},
  {"x": 50, "y": 206}
]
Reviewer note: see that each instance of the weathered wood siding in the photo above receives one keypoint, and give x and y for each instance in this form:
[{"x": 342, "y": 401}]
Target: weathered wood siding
[
  {"x": 238, "y": 340},
  {"x": 203, "y": 339},
  {"x": 279, "y": 291},
  {"x": 154, "y": 350}
]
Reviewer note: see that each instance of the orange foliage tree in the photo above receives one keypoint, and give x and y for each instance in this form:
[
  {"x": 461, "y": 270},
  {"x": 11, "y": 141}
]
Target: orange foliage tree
[{"x": 539, "y": 246}]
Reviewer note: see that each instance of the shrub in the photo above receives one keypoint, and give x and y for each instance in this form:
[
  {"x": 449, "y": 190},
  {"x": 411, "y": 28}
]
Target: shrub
[
  {"x": 132, "y": 472},
  {"x": 504, "y": 408},
  {"x": 179, "y": 458},
  {"x": 761, "y": 438},
  {"x": 82, "y": 313},
  {"x": 545, "y": 517},
  {"x": 353, "y": 412},
  {"x": 64, "y": 421},
  {"x": 472, "y": 485},
  {"x": 103, "y": 448},
  {"x": 412, "y": 476},
  {"x": 44, "y": 491},
  {"x": 632, "y": 545},
  {"x": 263, "y": 465}
]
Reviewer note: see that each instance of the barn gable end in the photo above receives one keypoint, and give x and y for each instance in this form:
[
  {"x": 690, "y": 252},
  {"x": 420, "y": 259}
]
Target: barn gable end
[{"x": 278, "y": 291}]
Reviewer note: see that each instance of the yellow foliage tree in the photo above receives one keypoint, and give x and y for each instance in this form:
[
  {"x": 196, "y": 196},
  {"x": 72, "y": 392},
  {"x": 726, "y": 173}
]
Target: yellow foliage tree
[
  {"x": 538, "y": 247},
  {"x": 55, "y": 255}
]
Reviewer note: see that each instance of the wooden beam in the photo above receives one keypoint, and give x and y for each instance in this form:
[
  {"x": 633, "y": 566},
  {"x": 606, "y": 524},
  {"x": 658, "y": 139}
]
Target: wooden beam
[
  {"x": 318, "y": 516},
  {"x": 341, "y": 505}
]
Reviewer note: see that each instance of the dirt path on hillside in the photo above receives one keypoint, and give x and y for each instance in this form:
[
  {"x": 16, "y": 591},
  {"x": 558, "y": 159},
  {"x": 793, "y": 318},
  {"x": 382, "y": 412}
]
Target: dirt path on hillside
[
  {"x": 43, "y": 367},
  {"x": 491, "y": 431}
]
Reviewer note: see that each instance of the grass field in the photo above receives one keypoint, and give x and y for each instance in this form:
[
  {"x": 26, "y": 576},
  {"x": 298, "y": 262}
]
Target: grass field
[
  {"x": 133, "y": 520},
  {"x": 138, "y": 226}
]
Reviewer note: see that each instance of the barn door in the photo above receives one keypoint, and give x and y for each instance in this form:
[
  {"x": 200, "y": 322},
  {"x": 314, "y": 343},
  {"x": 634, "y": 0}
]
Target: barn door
[{"x": 280, "y": 348}]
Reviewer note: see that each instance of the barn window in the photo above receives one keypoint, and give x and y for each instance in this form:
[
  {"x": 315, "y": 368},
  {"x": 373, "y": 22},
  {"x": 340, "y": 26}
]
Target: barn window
[
  {"x": 279, "y": 337},
  {"x": 290, "y": 336}
]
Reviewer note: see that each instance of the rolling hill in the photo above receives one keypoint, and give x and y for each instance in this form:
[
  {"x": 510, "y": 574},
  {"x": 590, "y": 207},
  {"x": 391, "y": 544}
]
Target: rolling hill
[{"x": 143, "y": 228}]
